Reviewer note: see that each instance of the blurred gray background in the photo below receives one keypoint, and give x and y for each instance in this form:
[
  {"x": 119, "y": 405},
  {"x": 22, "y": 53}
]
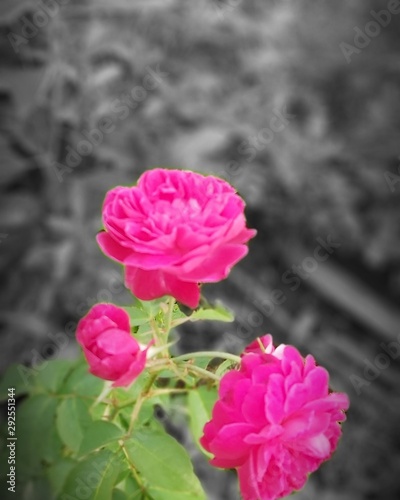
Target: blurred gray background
[{"x": 296, "y": 103}]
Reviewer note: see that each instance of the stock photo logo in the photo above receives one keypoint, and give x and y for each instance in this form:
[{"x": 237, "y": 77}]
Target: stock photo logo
[
  {"x": 373, "y": 369},
  {"x": 372, "y": 29},
  {"x": 30, "y": 25}
]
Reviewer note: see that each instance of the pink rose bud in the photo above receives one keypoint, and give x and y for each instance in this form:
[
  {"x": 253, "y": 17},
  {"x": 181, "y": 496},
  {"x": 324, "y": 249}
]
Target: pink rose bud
[
  {"x": 174, "y": 230},
  {"x": 275, "y": 421},
  {"x": 112, "y": 353}
]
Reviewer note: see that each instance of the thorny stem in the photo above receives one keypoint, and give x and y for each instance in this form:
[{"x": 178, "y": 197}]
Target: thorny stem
[
  {"x": 104, "y": 393},
  {"x": 132, "y": 467},
  {"x": 139, "y": 402},
  {"x": 168, "y": 326},
  {"x": 136, "y": 409},
  {"x": 160, "y": 364},
  {"x": 156, "y": 332},
  {"x": 206, "y": 354},
  {"x": 171, "y": 304},
  {"x": 160, "y": 392},
  {"x": 175, "y": 323},
  {"x": 176, "y": 364},
  {"x": 201, "y": 371}
]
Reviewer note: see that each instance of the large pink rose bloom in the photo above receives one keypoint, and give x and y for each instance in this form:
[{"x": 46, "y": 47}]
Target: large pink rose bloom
[
  {"x": 275, "y": 421},
  {"x": 174, "y": 230},
  {"x": 111, "y": 351}
]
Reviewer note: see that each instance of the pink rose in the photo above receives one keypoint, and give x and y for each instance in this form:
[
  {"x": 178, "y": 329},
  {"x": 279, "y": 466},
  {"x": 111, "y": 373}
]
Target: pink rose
[
  {"x": 275, "y": 421},
  {"x": 174, "y": 230},
  {"x": 110, "y": 350},
  {"x": 266, "y": 342}
]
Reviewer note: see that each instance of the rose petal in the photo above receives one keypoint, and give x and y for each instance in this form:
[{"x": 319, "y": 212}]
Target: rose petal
[
  {"x": 112, "y": 248},
  {"x": 149, "y": 285},
  {"x": 215, "y": 266}
]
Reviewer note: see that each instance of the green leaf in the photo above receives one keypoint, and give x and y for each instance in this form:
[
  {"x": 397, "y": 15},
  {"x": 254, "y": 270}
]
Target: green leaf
[
  {"x": 177, "y": 314},
  {"x": 144, "y": 334},
  {"x": 82, "y": 383},
  {"x": 95, "y": 477},
  {"x": 72, "y": 422},
  {"x": 200, "y": 404},
  {"x": 98, "y": 434},
  {"x": 137, "y": 317},
  {"x": 145, "y": 417},
  {"x": 146, "y": 414},
  {"x": 131, "y": 489},
  {"x": 202, "y": 362},
  {"x": 164, "y": 465},
  {"x": 170, "y": 378},
  {"x": 219, "y": 313},
  {"x": 134, "y": 390},
  {"x": 224, "y": 367},
  {"x": 37, "y": 436},
  {"x": 52, "y": 374},
  {"x": 13, "y": 378},
  {"x": 118, "y": 494},
  {"x": 97, "y": 411},
  {"x": 58, "y": 472},
  {"x": 167, "y": 374},
  {"x": 151, "y": 307}
]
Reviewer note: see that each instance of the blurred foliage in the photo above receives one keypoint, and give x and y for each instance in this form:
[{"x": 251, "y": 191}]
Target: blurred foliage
[{"x": 228, "y": 67}]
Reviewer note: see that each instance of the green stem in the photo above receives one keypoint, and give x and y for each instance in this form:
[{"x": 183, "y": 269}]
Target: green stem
[
  {"x": 181, "y": 321},
  {"x": 206, "y": 354},
  {"x": 175, "y": 323},
  {"x": 169, "y": 363},
  {"x": 158, "y": 365},
  {"x": 155, "y": 392},
  {"x": 167, "y": 328},
  {"x": 104, "y": 393},
  {"x": 160, "y": 392},
  {"x": 133, "y": 469},
  {"x": 139, "y": 402},
  {"x": 124, "y": 405},
  {"x": 201, "y": 371},
  {"x": 171, "y": 304},
  {"x": 136, "y": 410},
  {"x": 156, "y": 332}
]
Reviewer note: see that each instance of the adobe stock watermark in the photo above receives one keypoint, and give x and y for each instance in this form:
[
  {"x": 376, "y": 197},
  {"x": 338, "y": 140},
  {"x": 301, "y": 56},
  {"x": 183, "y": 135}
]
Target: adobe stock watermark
[
  {"x": 253, "y": 144},
  {"x": 57, "y": 342},
  {"x": 266, "y": 306},
  {"x": 86, "y": 483},
  {"x": 372, "y": 29},
  {"x": 45, "y": 10},
  {"x": 121, "y": 109},
  {"x": 373, "y": 369}
]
